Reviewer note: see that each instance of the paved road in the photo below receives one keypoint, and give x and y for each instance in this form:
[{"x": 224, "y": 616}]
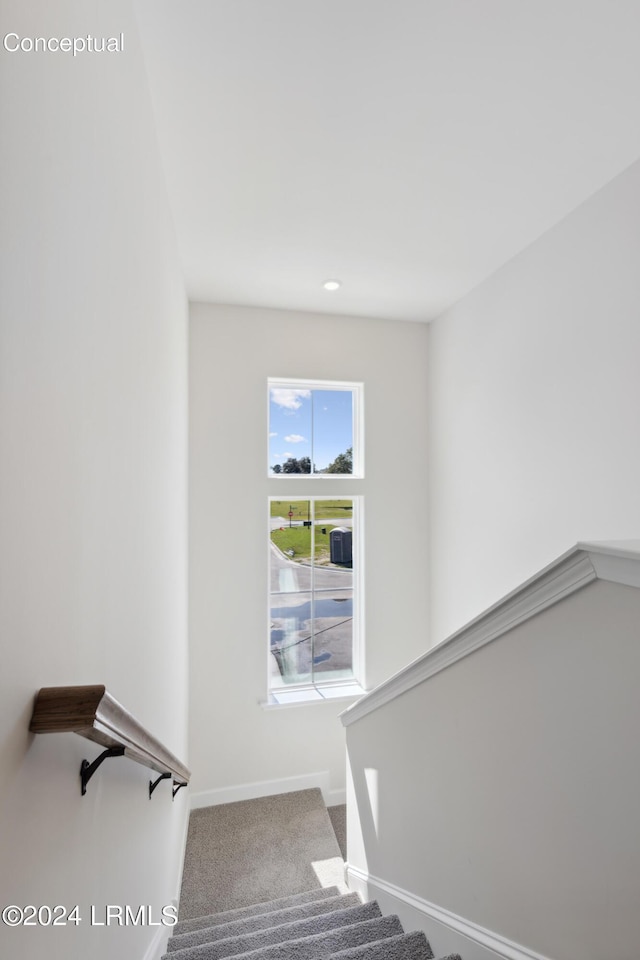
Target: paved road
[
  {"x": 303, "y": 644},
  {"x": 288, "y": 576}
]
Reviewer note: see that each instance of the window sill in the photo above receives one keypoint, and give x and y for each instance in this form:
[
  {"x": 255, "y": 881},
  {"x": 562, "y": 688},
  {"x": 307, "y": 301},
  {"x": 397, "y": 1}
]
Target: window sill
[{"x": 304, "y": 696}]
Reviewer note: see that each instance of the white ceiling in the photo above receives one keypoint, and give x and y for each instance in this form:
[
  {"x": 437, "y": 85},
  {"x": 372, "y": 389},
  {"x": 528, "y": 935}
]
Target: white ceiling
[{"x": 407, "y": 147}]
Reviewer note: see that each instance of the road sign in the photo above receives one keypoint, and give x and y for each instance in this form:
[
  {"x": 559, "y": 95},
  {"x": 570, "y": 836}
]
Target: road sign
[{"x": 290, "y": 513}]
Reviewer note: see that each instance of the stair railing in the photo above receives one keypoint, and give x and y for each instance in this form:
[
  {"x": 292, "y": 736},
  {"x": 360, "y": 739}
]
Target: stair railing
[{"x": 91, "y": 712}]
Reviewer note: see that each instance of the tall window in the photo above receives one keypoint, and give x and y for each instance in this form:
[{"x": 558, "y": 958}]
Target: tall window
[{"x": 315, "y": 567}]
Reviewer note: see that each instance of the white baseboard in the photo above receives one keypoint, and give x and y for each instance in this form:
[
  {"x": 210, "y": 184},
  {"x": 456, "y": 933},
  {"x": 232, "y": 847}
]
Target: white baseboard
[
  {"x": 158, "y": 946},
  {"x": 266, "y": 788},
  {"x": 446, "y": 931},
  {"x": 183, "y": 850},
  {"x": 335, "y": 798}
]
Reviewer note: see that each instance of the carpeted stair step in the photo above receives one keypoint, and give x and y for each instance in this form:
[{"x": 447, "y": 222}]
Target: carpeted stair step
[
  {"x": 323, "y": 946},
  {"x": 234, "y": 946},
  {"x": 408, "y": 946},
  {"x": 240, "y": 867},
  {"x": 269, "y": 906},
  {"x": 262, "y": 921}
]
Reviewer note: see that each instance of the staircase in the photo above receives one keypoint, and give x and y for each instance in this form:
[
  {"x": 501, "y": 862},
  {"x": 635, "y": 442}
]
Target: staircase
[{"x": 315, "y": 925}]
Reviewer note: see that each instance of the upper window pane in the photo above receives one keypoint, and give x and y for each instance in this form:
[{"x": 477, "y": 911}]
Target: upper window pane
[
  {"x": 333, "y": 431},
  {"x": 313, "y": 428}
]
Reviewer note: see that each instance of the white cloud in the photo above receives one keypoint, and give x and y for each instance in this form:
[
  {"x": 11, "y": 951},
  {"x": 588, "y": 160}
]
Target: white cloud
[
  {"x": 273, "y": 434},
  {"x": 295, "y": 438},
  {"x": 288, "y": 398}
]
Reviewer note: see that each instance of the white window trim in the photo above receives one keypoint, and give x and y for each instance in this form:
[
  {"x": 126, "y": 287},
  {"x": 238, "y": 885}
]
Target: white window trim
[
  {"x": 330, "y": 690},
  {"x": 357, "y": 391},
  {"x": 308, "y": 696}
]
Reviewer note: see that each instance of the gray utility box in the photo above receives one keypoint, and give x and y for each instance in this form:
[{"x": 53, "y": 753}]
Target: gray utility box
[{"x": 340, "y": 546}]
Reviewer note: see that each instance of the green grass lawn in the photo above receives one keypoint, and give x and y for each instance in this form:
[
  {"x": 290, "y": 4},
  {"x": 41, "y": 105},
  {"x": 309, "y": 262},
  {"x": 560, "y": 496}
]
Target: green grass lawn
[
  {"x": 298, "y": 539},
  {"x": 323, "y": 509}
]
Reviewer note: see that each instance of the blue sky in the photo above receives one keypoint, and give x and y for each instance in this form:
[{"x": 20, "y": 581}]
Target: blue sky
[{"x": 291, "y": 413}]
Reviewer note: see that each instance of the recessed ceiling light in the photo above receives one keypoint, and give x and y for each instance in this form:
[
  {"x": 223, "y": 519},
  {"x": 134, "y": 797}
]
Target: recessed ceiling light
[{"x": 332, "y": 284}]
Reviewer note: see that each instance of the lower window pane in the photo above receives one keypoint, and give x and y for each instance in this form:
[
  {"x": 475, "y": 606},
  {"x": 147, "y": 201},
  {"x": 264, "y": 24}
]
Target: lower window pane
[
  {"x": 291, "y": 646},
  {"x": 311, "y": 600}
]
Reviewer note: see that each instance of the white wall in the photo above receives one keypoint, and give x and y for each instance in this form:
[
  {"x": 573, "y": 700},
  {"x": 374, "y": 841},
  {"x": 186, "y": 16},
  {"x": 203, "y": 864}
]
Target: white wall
[
  {"x": 502, "y": 792},
  {"x": 93, "y": 409},
  {"x": 533, "y": 408},
  {"x": 233, "y": 350}
]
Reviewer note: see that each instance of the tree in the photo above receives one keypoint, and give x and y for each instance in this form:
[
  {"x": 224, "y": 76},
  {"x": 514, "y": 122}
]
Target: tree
[
  {"x": 276, "y": 468},
  {"x": 296, "y": 466},
  {"x": 343, "y": 463}
]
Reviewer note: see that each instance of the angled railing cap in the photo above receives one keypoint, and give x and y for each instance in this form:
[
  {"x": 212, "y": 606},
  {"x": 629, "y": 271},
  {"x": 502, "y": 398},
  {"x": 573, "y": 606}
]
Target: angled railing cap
[{"x": 617, "y": 561}]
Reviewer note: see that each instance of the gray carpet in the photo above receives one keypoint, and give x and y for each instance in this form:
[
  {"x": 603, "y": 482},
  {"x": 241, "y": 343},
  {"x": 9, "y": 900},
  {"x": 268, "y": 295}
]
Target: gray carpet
[
  {"x": 337, "y": 924},
  {"x": 406, "y": 946},
  {"x": 315, "y": 947},
  {"x": 255, "y": 888},
  {"x": 338, "y": 817},
  {"x": 262, "y": 922},
  {"x": 239, "y": 854},
  {"x": 229, "y": 916},
  {"x": 356, "y": 933}
]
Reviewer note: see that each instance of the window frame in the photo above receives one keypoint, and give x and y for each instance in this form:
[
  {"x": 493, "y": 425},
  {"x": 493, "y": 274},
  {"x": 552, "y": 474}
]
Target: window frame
[
  {"x": 330, "y": 689},
  {"x": 322, "y": 691},
  {"x": 357, "y": 425}
]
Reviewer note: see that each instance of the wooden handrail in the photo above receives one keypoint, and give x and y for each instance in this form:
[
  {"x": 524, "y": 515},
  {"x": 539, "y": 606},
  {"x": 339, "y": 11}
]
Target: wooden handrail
[{"x": 92, "y": 712}]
